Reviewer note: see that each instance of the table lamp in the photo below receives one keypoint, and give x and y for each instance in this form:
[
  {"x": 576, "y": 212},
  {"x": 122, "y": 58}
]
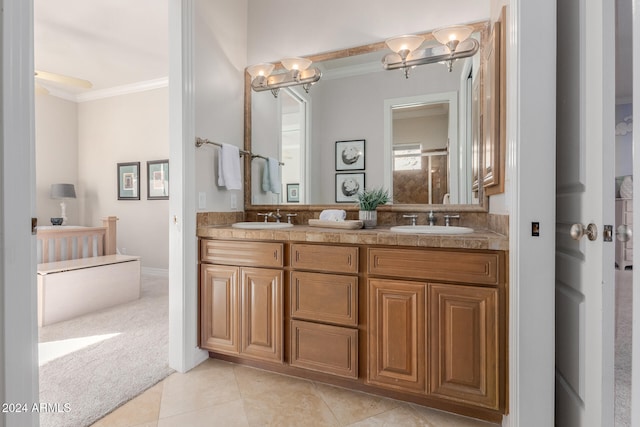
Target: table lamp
[{"x": 63, "y": 191}]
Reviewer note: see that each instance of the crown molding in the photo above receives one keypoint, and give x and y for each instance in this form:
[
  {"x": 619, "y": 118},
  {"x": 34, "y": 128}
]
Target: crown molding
[{"x": 114, "y": 91}]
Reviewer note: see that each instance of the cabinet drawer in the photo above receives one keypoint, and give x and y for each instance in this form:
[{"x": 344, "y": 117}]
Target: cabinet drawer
[
  {"x": 480, "y": 268},
  {"x": 237, "y": 252},
  {"x": 337, "y": 259},
  {"x": 322, "y": 297},
  {"x": 324, "y": 348}
]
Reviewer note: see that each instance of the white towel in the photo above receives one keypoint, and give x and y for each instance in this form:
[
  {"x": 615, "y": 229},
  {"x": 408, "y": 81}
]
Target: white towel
[
  {"x": 229, "y": 167},
  {"x": 333, "y": 215},
  {"x": 274, "y": 175}
]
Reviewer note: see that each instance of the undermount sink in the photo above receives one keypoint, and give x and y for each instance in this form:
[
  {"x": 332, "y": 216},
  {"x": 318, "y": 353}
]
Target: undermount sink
[
  {"x": 431, "y": 229},
  {"x": 262, "y": 225}
]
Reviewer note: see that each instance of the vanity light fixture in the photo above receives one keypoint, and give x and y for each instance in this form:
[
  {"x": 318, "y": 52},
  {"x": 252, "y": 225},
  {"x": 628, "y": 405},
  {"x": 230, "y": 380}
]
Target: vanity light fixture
[
  {"x": 298, "y": 73},
  {"x": 455, "y": 43},
  {"x": 403, "y": 46}
]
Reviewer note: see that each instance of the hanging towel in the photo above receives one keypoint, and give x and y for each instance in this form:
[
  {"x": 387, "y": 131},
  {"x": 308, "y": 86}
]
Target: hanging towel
[
  {"x": 229, "y": 167},
  {"x": 265, "y": 177},
  {"x": 275, "y": 184},
  {"x": 271, "y": 176},
  {"x": 333, "y": 215}
]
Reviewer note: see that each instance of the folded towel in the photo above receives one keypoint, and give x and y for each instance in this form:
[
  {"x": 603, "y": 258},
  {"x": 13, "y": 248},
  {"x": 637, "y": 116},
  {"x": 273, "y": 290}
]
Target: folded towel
[
  {"x": 333, "y": 215},
  {"x": 229, "y": 167},
  {"x": 271, "y": 176}
]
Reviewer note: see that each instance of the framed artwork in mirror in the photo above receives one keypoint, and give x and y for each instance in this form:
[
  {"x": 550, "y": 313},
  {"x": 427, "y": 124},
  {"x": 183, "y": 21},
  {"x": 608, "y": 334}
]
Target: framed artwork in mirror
[
  {"x": 293, "y": 193},
  {"x": 350, "y": 155},
  {"x": 129, "y": 181},
  {"x": 158, "y": 180},
  {"x": 348, "y": 185}
]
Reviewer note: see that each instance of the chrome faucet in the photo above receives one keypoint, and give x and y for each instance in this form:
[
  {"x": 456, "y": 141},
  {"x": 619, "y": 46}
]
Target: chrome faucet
[
  {"x": 264, "y": 215},
  {"x": 289, "y": 216},
  {"x": 276, "y": 215},
  {"x": 413, "y": 218},
  {"x": 431, "y": 218},
  {"x": 447, "y": 219}
]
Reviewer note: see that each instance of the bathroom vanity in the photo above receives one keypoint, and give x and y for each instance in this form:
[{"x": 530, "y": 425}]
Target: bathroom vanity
[{"x": 421, "y": 318}]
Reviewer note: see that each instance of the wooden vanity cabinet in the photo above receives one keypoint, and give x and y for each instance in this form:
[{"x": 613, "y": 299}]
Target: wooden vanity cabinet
[
  {"x": 426, "y": 325},
  {"x": 435, "y": 324},
  {"x": 323, "y": 295},
  {"x": 241, "y": 298}
]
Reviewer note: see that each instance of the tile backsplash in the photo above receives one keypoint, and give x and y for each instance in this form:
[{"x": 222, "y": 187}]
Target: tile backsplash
[{"x": 477, "y": 220}]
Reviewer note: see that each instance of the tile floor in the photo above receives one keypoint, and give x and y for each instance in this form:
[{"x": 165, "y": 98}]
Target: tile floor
[{"x": 218, "y": 393}]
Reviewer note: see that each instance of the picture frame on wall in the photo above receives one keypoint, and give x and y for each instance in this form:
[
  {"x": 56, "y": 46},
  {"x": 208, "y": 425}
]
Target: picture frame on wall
[
  {"x": 158, "y": 180},
  {"x": 129, "y": 181},
  {"x": 348, "y": 185},
  {"x": 293, "y": 193},
  {"x": 350, "y": 155}
]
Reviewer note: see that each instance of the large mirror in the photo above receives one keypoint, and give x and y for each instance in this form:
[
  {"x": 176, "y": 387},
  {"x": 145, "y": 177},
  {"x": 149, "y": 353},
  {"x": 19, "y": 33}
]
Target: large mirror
[{"x": 413, "y": 136}]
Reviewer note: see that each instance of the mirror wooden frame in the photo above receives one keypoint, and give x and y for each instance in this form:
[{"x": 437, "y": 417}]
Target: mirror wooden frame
[{"x": 483, "y": 206}]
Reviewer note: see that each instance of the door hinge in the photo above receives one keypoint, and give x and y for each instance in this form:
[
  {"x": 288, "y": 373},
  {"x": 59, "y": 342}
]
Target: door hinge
[
  {"x": 34, "y": 225},
  {"x": 607, "y": 234}
]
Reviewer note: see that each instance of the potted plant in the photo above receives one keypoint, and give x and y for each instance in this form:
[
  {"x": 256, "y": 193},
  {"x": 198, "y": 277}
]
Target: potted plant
[{"x": 368, "y": 201}]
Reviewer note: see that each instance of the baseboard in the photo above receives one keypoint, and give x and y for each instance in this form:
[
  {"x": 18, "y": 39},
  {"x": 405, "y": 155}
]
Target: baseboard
[{"x": 150, "y": 271}]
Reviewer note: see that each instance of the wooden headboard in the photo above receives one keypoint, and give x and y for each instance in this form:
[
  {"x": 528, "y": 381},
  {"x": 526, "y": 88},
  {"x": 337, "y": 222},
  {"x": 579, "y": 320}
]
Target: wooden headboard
[{"x": 61, "y": 243}]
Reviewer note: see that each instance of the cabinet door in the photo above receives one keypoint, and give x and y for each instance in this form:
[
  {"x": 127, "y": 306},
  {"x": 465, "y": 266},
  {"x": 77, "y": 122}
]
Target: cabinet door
[
  {"x": 397, "y": 334},
  {"x": 464, "y": 347},
  {"x": 219, "y": 301},
  {"x": 262, "y": 313}
]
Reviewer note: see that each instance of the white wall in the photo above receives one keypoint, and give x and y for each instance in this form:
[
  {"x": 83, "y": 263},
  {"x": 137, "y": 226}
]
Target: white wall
[
  {"x": 220, "y": 59},
  {"x": 127, "y": 128},
  {"x": 56, "y": 124},
  {"x": 281, "y": 28}
]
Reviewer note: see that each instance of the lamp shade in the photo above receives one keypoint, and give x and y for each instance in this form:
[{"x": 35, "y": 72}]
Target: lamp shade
[
  {"x": 457, "y": 33},
  {"x": 295, "y": 63},
  {"x": 63, "y": 191},
  {"x": 400, "y": 43},
  {"x": 264, "y": 69}
]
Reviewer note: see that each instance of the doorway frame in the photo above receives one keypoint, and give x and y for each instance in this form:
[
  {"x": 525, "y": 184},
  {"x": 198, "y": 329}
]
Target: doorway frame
[{"x": 530, "y": 118}]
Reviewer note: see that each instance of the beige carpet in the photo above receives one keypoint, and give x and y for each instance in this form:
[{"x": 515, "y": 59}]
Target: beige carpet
[
  {"x": 92, "y": 364},
  {"x": 623, "y": 347}
]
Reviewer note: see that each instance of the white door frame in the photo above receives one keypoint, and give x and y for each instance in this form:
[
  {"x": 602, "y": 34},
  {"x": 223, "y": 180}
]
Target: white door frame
[
  {"x": 19, "y": 333},
  {"x": 635, "y": 362},
  {"x": 184, "y": 353},
  {"x": 531, "y": 103},
  {"x": 530, "y": 136}
]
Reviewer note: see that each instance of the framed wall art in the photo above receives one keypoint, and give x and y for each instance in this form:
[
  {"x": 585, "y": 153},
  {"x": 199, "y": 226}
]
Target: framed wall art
[
  {"x": 293, "y": 193},
  {"x": 129, "y": 181},
  {"x": 158, "y": 180},
  {"x": 348, "y": 185},
  {"x": 350, "y": 155}
]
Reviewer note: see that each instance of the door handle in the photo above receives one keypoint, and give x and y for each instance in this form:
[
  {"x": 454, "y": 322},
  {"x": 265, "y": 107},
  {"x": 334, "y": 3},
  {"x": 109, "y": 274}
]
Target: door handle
[
  {"x": 579, "y": 230},
  {"x": 624, "y": 233}
]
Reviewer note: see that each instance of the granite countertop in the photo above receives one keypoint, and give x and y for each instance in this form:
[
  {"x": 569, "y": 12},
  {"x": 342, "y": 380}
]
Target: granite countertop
[{"x": 381, "y": 235}]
